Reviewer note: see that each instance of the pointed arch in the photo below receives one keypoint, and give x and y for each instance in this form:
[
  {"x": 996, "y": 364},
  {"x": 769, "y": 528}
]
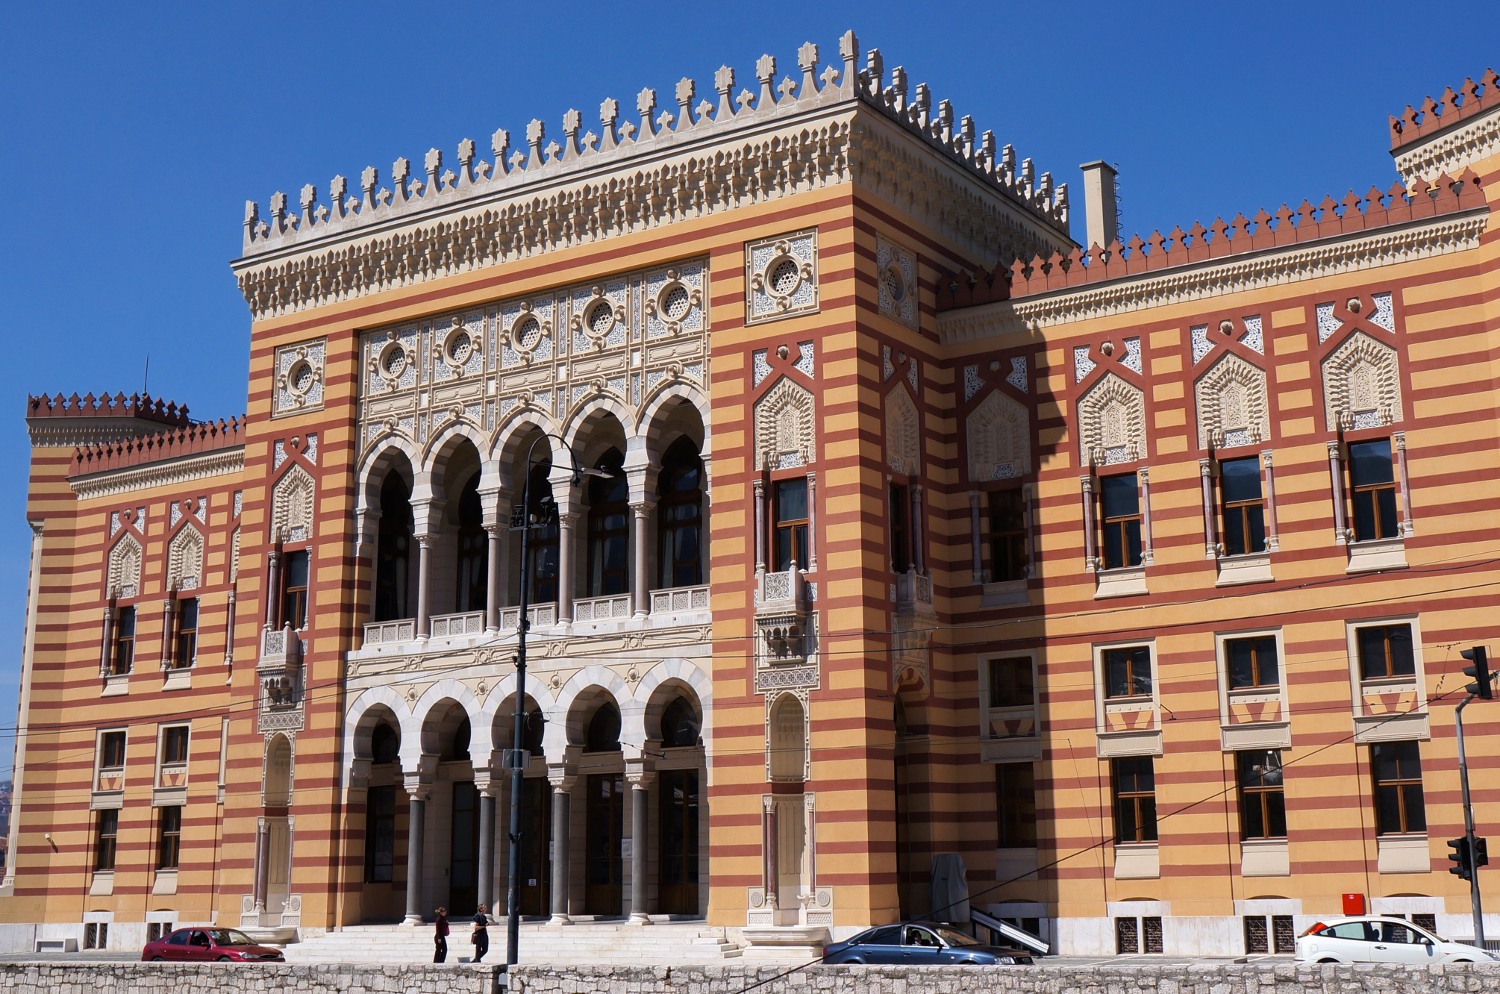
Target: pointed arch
[
  {"x": 292, "y": 505},
  {"x": 277, "y": 792},
  {"x": 185, "y": 559},
  {"x": 1361, "y": 384},
  {"x": 999, "y": 436},
  {"x": 124, "y": 575},
  {"x": 1231, "y": 403},
  {"x": 785, "y": 429},
  {"x": 1112, "y": 422},
  {"x": 903, "y": 432}
]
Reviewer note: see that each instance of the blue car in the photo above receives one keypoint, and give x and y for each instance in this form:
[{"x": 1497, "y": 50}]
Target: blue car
[{"x": 920, "y": 943}]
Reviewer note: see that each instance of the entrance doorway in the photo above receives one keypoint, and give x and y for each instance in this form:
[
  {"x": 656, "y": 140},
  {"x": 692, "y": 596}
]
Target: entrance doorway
[
  {"x": 463, "y": 875},
  {"x": 606, "y": 823},
  {"x": 678, "y": 881},
  {"x": 536, "y": 845}
]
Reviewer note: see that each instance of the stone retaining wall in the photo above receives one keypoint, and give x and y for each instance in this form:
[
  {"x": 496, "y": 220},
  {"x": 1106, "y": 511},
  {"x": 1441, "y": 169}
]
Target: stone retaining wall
[{"x": 214, "y": 978}]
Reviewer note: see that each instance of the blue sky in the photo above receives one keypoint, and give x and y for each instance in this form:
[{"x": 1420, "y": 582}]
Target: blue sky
[{"x": 133, "y": 134}]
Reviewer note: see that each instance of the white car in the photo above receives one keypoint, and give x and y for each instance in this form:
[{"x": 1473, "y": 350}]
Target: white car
[{"x": 1374, "y": 939}]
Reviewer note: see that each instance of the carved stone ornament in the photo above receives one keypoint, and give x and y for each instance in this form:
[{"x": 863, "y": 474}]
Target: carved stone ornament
[
  {"x": 785, "y": 427},
  {"x": 124, "y": 575},
  {"x": 999, "y": 436},
  {"x": 1232, "y": 407},
  {"x": 526, "y": 332},
  {"x": 896, "y": 276},
  {"x": 781, "y": 276},
  {"x": 185, "y": 559},
  {"x": 1361, "y": 384},
  {"x": 903, "y": 436},
  {"x": 674, "y": 301},
  {"x": 459, "y": 348},
  {"x": 598, "y": 319},
  {"x": 292, "y": 506},
  {"x": 299, "y": 378},
  {"x": 1112, "y": 423}
]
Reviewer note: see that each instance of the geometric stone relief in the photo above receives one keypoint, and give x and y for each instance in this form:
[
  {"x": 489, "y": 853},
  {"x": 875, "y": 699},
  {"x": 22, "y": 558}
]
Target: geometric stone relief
[
  {"x": 1112, "y": 423},
  {"x": 896, "y": 275},
  {"x": 1361, "y": 384},
  {"x": 234, "y": 556},
  {"x": 999, "y": 435},
  {"x": 889, "y": 370},
  {"x": 292, "y": 506},
  {"x": 299, "y": 377},
  {"x": 785, "y": 429},
  {"x": 124, "y": 575},
  {"x": 1252, "y": 338},
  {"x": 1082, "y": 364},
  {"x": 1327, "y": 323},
  {"x": 1231, "y": 403},
  {"x": 185, "y": 559},
  {"x": 973, "y": 383},
  {"x": 758, "y": 364},
  {"x": 1383, "y": 317},
  {"x": 1017, "y": 375},
  {"x": 781, "y": 276},
  {"x": 1132, "y": 360},
  {"x": 902, "y": 432},
  {"x": 806, "y": 359}
]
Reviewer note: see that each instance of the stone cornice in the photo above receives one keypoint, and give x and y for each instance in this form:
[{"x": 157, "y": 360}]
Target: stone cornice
[
  {"x": 166, "y": 472},
  {"x": 1451, "y": 151},
  {"x": 1309, "y": 260}
]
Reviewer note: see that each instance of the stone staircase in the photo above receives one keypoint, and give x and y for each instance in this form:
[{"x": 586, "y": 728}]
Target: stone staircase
[{"x": 610, "y": 942}]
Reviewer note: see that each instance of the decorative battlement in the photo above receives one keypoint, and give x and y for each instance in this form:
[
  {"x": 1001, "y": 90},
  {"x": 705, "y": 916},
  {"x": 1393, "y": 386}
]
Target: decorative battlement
[
  {"x": 1286, "y": 227},
  {"x": 1435, "y": 115},
  {"x": 539, "y": 194},
  {"x": 65, "y": 422},
  {"x": 190, "y": 440}
]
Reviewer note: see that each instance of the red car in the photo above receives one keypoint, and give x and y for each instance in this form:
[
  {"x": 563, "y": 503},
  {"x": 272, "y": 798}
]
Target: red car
[{"x": 198, "y": 944}]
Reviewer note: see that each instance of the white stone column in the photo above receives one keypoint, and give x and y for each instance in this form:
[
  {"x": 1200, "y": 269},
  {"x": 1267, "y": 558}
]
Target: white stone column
[
  {"x": 492, "y": 582},
  {"x": 565, "y": 557},
  {"x": 812, "y": 522},
  {"x": 641, "y": 521},
  {"x": 1210, "y": 518},
  {"x": 1273, "y": 543},
  {"x": 640, "y": 820},
  {"x": 1090, "y": 538},
  {"x": 168, "y": 612},
  {"x": 273, "y": 586},
  {"x": 1336, "y": 478},
  {"x": 768, "y": 850},
  {"x": 1143, "y": 480},
  {"x": 1408, "y": 526},
  {"x": 262, "y": 863},
  {"x": 759, "y": 486},
  {"x": 109, "y": 639},
  {"x": 562, "y": 796},
  {"x": 424, "y": 588},
  {"x": 416, "y": 835}
]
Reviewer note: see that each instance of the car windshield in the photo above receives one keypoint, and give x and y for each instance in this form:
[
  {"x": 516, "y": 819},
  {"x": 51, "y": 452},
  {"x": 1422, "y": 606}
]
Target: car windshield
[
  {"x": 954, "y": 938},
  {"x": 229, "y": 937}
]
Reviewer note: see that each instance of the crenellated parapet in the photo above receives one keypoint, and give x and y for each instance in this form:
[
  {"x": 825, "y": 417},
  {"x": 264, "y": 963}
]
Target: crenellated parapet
[
  {"x": 1452, "y": 107},
  {"x": 190, "y": 440},
  {"x": 686, "y": 157},
  {"x": 89, "y": 420}
]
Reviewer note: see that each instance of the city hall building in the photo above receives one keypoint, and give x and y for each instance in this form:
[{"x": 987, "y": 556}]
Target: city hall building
[{"x": 891, "y": 538}]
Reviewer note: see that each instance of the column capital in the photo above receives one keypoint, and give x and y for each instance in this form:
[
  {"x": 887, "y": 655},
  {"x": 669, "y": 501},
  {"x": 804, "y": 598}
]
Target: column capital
[
  {"x": 562, "y": 777},
  {"x": 974, "y": 499},
  {"x": 758, "y": 484},
  {"x": 1265, "y": 458},
  {"x": 643, "y": 508},
  {"x": 640, "y": 771}
]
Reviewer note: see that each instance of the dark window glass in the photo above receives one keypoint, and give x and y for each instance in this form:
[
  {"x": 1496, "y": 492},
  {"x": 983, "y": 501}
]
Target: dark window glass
[
  {"x": 123, "y": 656},
  {"x": 1252, "y": 662},
  {"x": 458, "y": 745},
  {"x": 679, "y": 724},
  {"x": 179, "y": 938},
  {"x": 1244, "y": 511},
  {"x": 111, "y": 750},
  {"x": 385, "y": 743},
  {"x": 174, "y": 744},
  {"x": 380, "y": 834},
  {"x": 1015, "y": 806},
  {"x": 532, "y": 732},
  {"x": 1011, "y": 685},
  {"x": 791, "y": 523},
  {"x": 1262, "y": 794},
  {"x": 1127, "y": 672},
  {"x": 169, "y": 837},
  {"x": 604, "y": 730},
  {"x": 294, "y": 590},
  {"x": 1374, "y": 487},
  {"x": 1399, "y": 806},
  {"x": 1386, "y": 651},
  {"x": 609, "y": 528},
  {"x": 1135, "y": 799},
  {"x": 900, "y": 537},
  {"x": 187, "y": 633},
  {"x": 680, "y": 516},
  {"x": 543, "y": 538},
  {"x": 1121, "y": 498},
  {"x": 106, "y": 831},
  {"x": 393, "y": 550},
  {"x": 473, "y": 550},
  {"x": 1007, "y": 536}
]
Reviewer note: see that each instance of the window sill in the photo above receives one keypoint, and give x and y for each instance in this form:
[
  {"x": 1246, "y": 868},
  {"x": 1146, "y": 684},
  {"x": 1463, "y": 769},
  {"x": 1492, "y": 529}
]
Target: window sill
[
  {"x": 1380, "y": 553},
  {"x": 1113, "y": 745},
  {"x": 103, "y": 884},
  {"x": 1265, "y": 858},
  {"x": 165, "y": 883},
  {"x": 1006, "y": 593},
  {"x": 169, "y": 797},
  {"x": 1126, "y": 581},
  {"x": 1137, "y": 861},
  {"x": 1391, "y": 727},
  {"x": 1009, "y": 750},
  {"x": 179, "y": 678},
  {"x": 1255, "y": 735},
  {"x": 1253, "y": 567},
  {"x": 1403, "y": 854},
  {"x": 106, "y": 800},
  {"x": 115, "y": 684}
]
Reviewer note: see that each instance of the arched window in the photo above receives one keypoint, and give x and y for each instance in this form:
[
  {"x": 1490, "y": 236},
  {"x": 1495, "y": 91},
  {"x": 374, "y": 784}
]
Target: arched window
[
  {"x": 385, "y": 743},
  {"x": 680, "y": 515},
  {"x": 458, "y": 746},
  {"x": 609, "y": 527},
  {"x": 788, "y": 740},
  {"x": 532, "y": 731},
  {"x": 604, "y": 730},
  {"x": 473, "y": 549},
  {"x": 679, "y": 724},
  {"x": 393, "y": 549},
  {"x": 543, "y": 540},
  {"x": 279, "y": 773}
]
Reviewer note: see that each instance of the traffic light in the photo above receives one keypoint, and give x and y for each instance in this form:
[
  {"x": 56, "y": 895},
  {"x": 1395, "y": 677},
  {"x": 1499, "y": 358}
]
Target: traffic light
[
  {"x": 1480, "y": 851},
  {"x": 1480, "y": 671},
  {"x": 1461, "y": 856}
]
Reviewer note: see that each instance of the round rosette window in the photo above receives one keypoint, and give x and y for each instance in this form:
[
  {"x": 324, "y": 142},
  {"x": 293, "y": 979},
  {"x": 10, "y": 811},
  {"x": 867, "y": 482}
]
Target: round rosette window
[
  {"x": 599, "y": 318},
  {"x": 459, "y": 347},
  {"x": 527, "y": 333},
  {"x": 300, "y": 378},
  {"x": 674, "y": 301},
  {"x": 894, "y": 281},
  {"x": 783, "y": 277},
  {"x": 392, "y": 362}
]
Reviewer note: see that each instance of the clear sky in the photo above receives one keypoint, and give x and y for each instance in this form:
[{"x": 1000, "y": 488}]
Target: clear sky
[{"x": 132, "y": 134}]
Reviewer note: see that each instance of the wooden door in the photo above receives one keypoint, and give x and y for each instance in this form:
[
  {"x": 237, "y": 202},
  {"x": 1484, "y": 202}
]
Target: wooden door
[
  {"x": 677, "y": 883},
  {"x": 535, "y": 868},
  {"x": 605, "y": 814},
  {"x": 463, "y": 875}
]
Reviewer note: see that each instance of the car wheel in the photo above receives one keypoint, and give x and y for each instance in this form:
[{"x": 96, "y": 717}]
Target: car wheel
[
  {"x": 1328, "y": 960},
  {"x": 223, "y": 959},
  {"x": 156, "y": 959}
]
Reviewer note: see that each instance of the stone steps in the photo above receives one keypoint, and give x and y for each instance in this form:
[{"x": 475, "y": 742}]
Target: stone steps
[{"x": 583, "y": 943}]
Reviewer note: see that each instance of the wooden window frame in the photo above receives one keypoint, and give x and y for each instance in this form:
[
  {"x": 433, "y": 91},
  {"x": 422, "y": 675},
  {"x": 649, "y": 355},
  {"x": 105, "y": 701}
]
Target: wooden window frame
[
  {"x": 1400, "y": 785},
  {"x": 1371, "y": 492},
  {"x": 1143, "y": 832},
  {"x": 1115, "y": 528},
  {"x": 1260, "y": 795},
  {"x": 169, "y": 837},
  {"x": 1240, "y": 510}
]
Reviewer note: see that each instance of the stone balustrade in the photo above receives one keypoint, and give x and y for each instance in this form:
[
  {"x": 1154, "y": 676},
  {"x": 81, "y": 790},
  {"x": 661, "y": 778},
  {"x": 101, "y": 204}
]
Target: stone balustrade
[
  {"x": 679, "y": 600},
  {"x": 590, "y": 610},
  {"x": 450, "y": 626}
]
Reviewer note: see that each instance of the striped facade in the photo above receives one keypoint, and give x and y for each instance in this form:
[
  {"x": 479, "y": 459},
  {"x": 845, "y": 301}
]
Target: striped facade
[{"x": 1055, "y": 567}]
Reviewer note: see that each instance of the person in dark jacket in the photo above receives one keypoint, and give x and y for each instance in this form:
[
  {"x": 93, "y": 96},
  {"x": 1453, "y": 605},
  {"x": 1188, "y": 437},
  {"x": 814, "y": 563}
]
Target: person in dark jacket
[
  {"x": 440, "y": 937},
  {"x": 481, "y": 936}
]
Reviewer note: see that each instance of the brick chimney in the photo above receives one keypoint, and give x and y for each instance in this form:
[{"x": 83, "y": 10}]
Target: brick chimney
[{"x": 1101, "y": 213}]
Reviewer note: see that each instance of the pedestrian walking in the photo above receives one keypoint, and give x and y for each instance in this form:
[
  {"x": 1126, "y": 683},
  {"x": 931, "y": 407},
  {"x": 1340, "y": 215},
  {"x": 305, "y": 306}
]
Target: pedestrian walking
[
  {"x": 440, "y": 937},
  {"x": 481, "y": 936}
]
